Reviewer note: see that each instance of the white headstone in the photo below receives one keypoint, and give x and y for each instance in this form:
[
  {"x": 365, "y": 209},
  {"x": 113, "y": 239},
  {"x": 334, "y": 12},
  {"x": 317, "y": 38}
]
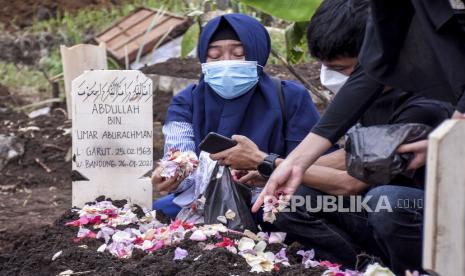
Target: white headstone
[
  {"x": 112, "y": 136},
  {"x": 444, "y": 228}
]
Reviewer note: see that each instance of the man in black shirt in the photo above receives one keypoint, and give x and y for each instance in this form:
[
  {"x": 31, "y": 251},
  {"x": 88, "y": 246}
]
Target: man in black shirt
[
  {"x": 335, "y": 36},
  {"x": 415, "y": 45}
]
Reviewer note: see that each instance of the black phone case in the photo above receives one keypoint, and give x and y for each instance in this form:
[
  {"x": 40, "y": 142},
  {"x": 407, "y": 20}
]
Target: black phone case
[{"x": 215, "y": 143}]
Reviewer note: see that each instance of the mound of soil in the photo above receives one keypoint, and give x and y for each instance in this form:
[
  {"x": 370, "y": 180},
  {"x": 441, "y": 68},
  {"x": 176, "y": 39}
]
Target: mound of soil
[
  {"x": 31, "y": 197},
  {"x": 26, "y": 48},
  {"x": 190, "y": 69},
  {"x": 32, "y": 255}
]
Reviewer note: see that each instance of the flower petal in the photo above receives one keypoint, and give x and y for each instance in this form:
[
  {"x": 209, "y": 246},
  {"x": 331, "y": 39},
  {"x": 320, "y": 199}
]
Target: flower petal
[
  {"x": 246, "y": 244},
  {"x": 277, "y": 237},
  {"x": 222, "y": 219},
  {"x": 179, "y": 254},
  {"x": 198, "y": 235},
  {"x": 230, "y": 214}
]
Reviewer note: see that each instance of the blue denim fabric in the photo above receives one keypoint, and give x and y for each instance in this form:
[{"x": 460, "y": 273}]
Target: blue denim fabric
[{"x": 395, "y": 237}]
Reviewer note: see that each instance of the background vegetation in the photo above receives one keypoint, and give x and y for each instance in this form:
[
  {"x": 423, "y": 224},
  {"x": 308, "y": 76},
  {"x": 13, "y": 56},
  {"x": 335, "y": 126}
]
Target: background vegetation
[{"x": 286, "y": 21}]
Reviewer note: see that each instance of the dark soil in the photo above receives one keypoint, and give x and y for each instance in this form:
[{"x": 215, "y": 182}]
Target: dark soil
[
  {"x": 25, "y": 48},
  {"x": 161, "y": 100},
  {"x": 32, "y": 255},
  {"x": 47, "y": 145},
  {"x": 176, "y": 67},
  {"x": 30, "y": 197}
]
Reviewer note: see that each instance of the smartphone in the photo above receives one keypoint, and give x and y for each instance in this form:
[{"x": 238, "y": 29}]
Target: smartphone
[{"x": 214, "y": 143}]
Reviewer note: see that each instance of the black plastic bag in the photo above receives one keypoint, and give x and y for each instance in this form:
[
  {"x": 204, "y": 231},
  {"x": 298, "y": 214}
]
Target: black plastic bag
[
  {"x": 223, "y": 194},
  {"x": 371, "y": 151}
]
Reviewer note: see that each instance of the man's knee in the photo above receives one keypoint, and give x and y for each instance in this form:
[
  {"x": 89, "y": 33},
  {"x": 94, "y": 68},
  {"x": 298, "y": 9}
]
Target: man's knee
[{"x": 393, "y": 207}]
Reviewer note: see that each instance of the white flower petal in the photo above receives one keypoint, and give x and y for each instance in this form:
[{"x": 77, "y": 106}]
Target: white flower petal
[
  {"x": 277, "y": 237},
  {"x": 260, "y": 247},
  {"x": 230, "y": 214},
  {"x": 222, "y": 219},
  {"x": 198, "y": 235},
  {"x": 377, "y": 270},
  {"x": 246, "y": 244}
]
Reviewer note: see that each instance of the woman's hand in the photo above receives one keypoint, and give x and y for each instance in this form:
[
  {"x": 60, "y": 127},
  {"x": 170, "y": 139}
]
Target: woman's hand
[
  {"x": 163, "y": 185},
  {"x": 243, "y": 156}
]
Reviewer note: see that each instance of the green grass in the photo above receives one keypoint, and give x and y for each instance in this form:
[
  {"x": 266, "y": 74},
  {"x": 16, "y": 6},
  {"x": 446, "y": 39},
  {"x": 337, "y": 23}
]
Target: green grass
[{"x": 22, "y": 76}]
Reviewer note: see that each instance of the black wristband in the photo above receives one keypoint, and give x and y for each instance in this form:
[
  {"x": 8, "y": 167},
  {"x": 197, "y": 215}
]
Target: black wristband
[{"x": 267, "y": 166}]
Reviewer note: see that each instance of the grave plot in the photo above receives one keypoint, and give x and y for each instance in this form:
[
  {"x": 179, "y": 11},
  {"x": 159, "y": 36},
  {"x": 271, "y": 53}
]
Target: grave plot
[{"x": 114, "y": 237}]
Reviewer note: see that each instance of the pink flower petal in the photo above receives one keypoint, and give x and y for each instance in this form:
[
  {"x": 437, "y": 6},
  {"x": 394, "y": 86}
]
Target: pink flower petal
[{"x": 277, "y": 237}]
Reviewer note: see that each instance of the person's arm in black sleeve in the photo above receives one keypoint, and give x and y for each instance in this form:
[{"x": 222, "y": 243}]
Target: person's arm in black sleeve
[
  {"x": 350, "y": 103},
  {"x": 354, "y": 98}
]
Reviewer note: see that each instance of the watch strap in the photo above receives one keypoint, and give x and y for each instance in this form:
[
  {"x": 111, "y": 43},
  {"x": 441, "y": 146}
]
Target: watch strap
[{"x": 271, "y": 159}]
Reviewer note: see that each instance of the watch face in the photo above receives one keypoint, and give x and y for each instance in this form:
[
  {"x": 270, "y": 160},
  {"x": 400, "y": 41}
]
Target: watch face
[{"x": 265, "y": 169}]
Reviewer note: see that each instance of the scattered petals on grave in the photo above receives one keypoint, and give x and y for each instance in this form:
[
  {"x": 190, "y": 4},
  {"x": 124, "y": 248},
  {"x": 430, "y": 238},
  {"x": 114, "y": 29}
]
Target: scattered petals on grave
[
  {"x": 106, "y": 222},
  {"x": 378, "y": 270},
  {"x": 307, "y": 258},
  {"x": 179, "y": 164}
]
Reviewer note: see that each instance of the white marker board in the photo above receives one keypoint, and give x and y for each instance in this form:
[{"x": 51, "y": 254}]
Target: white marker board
[
  {"x": 444, "y": 224},
  {"x": 112, "y": 136},
  {"x": 76, "y": 60}
]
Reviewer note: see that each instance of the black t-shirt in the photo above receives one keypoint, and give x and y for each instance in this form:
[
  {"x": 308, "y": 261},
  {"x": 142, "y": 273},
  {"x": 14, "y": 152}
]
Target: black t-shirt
[{"x": 396, "y": 107}]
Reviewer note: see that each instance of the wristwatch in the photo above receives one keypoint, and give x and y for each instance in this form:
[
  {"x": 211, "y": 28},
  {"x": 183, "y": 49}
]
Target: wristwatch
[{"x": 267, "y": 166}]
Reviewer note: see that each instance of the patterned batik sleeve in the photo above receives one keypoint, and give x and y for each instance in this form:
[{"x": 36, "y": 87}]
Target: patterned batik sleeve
[{"x": 179, "y": 135}]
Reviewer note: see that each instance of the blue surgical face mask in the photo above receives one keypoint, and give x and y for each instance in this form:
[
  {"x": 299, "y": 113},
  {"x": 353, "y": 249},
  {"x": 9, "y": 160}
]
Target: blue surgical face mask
[{"x": 230, "y": 78}]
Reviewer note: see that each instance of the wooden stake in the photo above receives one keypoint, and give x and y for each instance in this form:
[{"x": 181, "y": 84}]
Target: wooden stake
[{"x": 305, "y": 82}]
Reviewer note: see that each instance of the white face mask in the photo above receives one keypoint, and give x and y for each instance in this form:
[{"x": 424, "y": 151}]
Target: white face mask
[{"x": 332, "y": 80}]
